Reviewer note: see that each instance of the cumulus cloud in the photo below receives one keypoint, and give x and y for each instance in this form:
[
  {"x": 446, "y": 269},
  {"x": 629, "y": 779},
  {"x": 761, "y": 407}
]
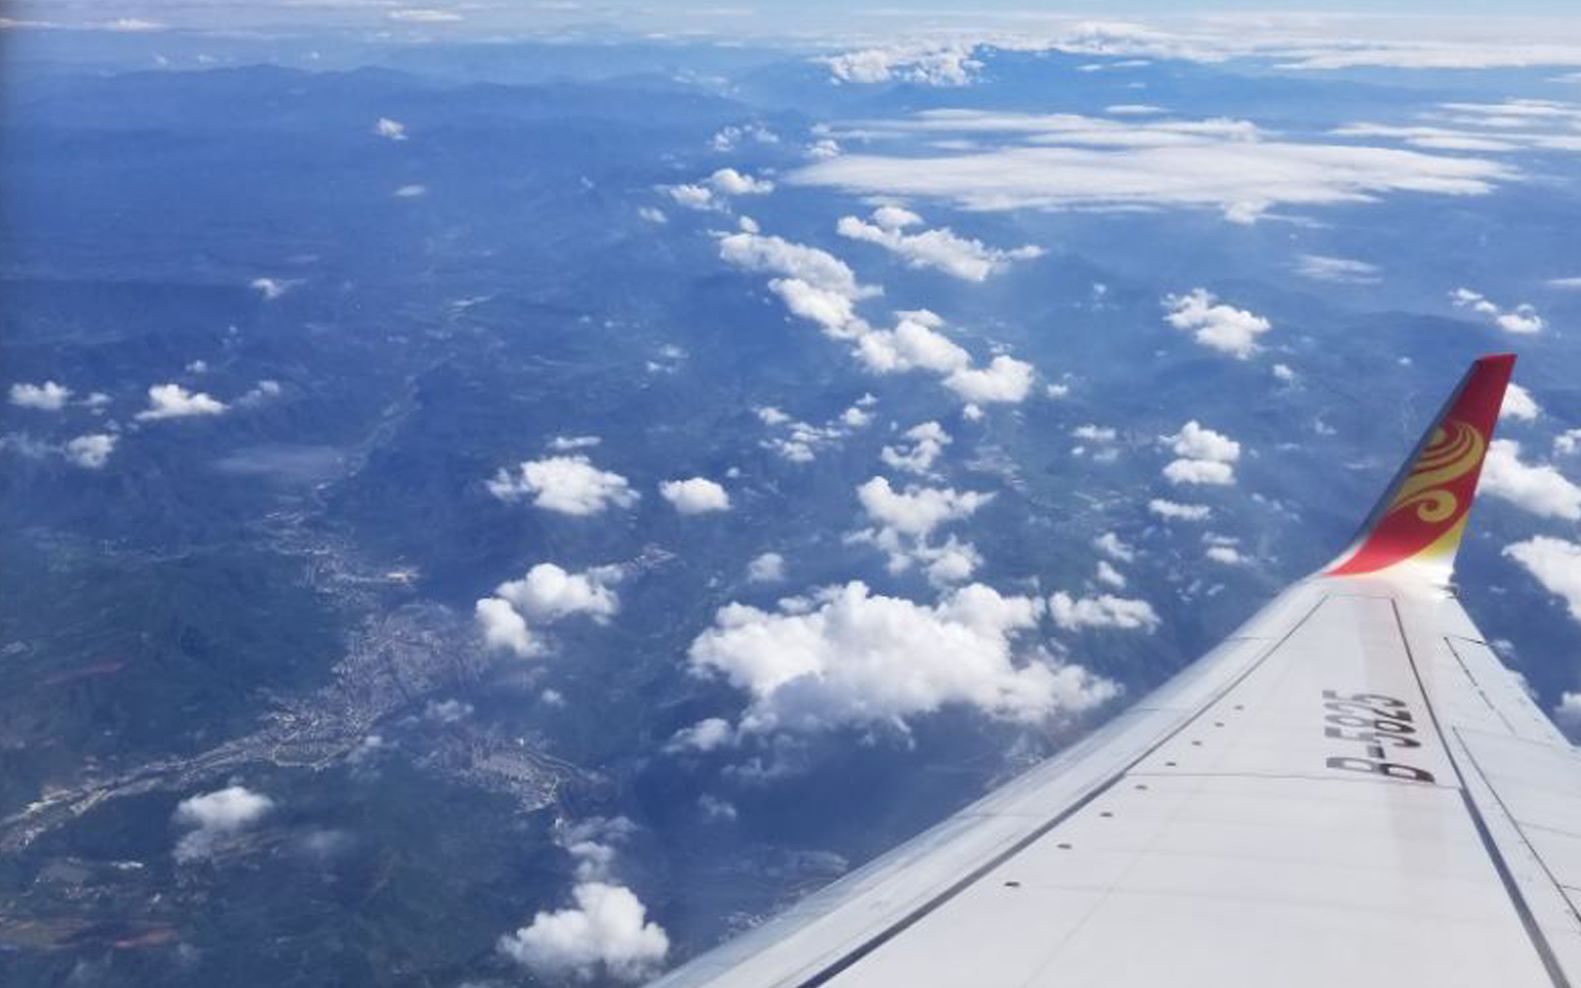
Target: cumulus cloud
[
  {"x": 1540, "y": 489},
  {"x": 607, "y": 930},
  {"x": 1519, "y": 405},
  {"x": 925, "y": 444},
  {"x": 172, "y": 401},
  {"x": 1069, "y": 161},
  {"x": 856, "y": 659},
  {"x": 1567, "y": 712},
  {"x": 92, "y": 451},
  {"x": 923, "y": 65},
  {"x": 1229, "y": 555},
  {"x": 729, "y": 182},
  {"x": 566, "y": 444},
  {"x": 766, "y": 568},
  {"x": 502, "y": 627},
  {"x": 910, "y": 346},
  {"x": 1005, "y": 379},
  {"x": 729, "y": 137},
  {"x": 906, "y": 520},
  {"x": 214, "y": 816},
  {"x": 46, "y": 397},
  {"x": 1522, "y": 320},
  {"x": 1112, "y": 546},
  {"x": 1174, "y": 511},
  {"x": 1554, "y": 563},
  {"x": 941, "y": 249},
  {"x": 1215, "y": 325},
  {"x": 548, "y": 593},
  {"x": 413, "y": 191},
  {"x": 1103, "y": 611},
  {"x": 695, "y": 495},
  {"x": 1109, "y": 576},
  {"x": 568, "y": 484},
  {"x": 1567, "y": 442},
  {"x": 1203, "y": 456},
  {"x": 705, "y": 735}
]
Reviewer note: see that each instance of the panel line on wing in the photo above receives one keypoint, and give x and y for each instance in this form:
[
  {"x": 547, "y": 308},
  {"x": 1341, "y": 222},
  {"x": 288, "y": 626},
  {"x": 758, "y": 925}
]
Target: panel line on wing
[{"x": 854, "y": 956}]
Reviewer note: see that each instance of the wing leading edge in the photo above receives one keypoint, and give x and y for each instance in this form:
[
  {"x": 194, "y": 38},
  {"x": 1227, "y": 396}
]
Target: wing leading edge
[{"x": 1351, "y": 786}]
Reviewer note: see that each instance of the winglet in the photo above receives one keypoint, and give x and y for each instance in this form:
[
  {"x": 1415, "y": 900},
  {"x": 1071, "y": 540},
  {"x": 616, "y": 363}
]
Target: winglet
[{"x": 1417, "y": 524}]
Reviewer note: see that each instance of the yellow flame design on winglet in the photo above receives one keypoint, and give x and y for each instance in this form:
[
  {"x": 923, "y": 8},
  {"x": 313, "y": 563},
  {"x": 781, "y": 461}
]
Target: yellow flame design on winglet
[{"x": 1446, "y": 458}]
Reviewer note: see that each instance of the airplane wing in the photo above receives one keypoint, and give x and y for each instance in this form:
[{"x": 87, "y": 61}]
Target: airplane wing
[{"x": 1350, "y": 790}]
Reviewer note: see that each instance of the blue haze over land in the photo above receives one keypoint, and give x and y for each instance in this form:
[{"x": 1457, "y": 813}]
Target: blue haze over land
[{"x": 1175, "y": 311}]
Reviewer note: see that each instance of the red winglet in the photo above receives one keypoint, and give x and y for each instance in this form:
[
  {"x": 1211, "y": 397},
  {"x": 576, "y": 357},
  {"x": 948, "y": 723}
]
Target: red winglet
[{"x": 1421, "y": 517}]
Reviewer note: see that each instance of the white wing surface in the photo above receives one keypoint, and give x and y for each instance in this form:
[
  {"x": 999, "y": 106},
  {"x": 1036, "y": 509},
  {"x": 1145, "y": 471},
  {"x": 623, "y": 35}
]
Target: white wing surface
[{"x": 1351, "y": 789}]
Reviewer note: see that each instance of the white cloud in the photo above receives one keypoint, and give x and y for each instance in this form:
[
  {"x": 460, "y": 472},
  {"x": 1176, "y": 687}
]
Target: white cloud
[
  {"x": 568, "y": 484},
  {"x": 1519, "y": 405},
  {"x": 1284, "y": 374},
  {"x": 414, "y": 191},
  {"x": 941, "y": 249},
  {"x": 1556, "y": 564},
  {"x": 1567, "y": 442},
  {"x": 729, "y": 182},
  {"x": 766, "y": 568},
  {"x": 728, "y": 138},
  {"x": 502, "y": 627},
  {"x": 1226, "y": 554},
  {"x": 1005, "y": 379},
  {"x": 390, "y": 129},
  {"x": 695, "y": 495},
  {"x": 1070, "y": 161},
  {"x": 1103, "y": 611},
  {"x": 423, "y": 15},
  {"x": 927, "y": 442},
  {"x": 1342, "y": 270},
  {"x": 1110, "y": 545},
  {"x": 172, "y": 401},
  {"x": 1215, "y": 325},
  {"x": 1204, "y": 457},
  {"x": 566, "y": 444},
  {"x": 46, "y": 397},
  {"x": 910, "y": 346},
  {"x": 705, "y": 735},
  {"x": 917, "y": 511},
  {"x": 856, "y": 659},
  {"x": 1174, "y": 511},
  {"x": 823, "y": 148},
  {"x": 775, "y": 255},
  {"x": 692, "y": 196},
  {"x": 1133, "y": 110},
  {"x": 1109, "y": 576},
  {"x": 270, "y": 288},
  {"x": 1568, "y": 710},
  {"x": 1542, "y": 489},
  {"x": 606, "y": 930},
  {"x": 92, "y": 451},
  {"x": 715, "y": 808},
  {"x": 548, "y": 593},
  {"x": 1522, "y": 320},
  {"x": 652, "y": 215},
  {"x": 924, "y": 65},
  {"x": 216, "y": 815}
]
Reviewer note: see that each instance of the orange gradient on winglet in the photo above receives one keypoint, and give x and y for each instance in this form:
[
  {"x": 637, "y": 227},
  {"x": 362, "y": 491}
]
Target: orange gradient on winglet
[{"x": 1422, "y": 516}]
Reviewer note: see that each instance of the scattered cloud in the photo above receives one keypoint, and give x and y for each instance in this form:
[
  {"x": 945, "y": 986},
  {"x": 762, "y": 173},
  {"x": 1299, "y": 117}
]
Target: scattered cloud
[
  {"x": 1229, "y": 555},
  {"x": 941, "y": 249},
  {"x": 925, "y": 444},
  {"x": 607, "y": 930},
  {"x": 270, "y": 288},
  {"x": 423, "y": 15},
  {"x": 855, "y": 659},
  {"x": 92, "y": 451},
  {"x": 1103, "y": 611},
  {"x": 1567, "y": 442},
  {"x": 1519, "y": 405},
  {"x": 1522, "y": 320},
  {"x": 1109, "y": 576},
  {"x": 548, "y": 593},
  {"x": 567, "y": 444},
  {"x": 729, "y": 182},
  {"x": 1554, "y": 563},
  {"x": 389, "y": 129},
  {"x": 905, "y": 523},
  {"x": 46, "y": 397},
  {"x": 695, "y": 495},
  {"x": 1005, "y": 379},
  {"x": 1341, "y": 270},
  {"x": 1111, "y": 545},
  {"x": 766, "y": 568},
  {"x": 172, "y": 401},
  {"x": 730, "y": 137},
  {"x": 705, "y": 735},
  {"x": 1540, "y": 489},
  {"x": 1567, "y": 712},
  {"x": 213, "y": 816},
  {"x": 1215, "y": 325},
  {"x": 1174, "y": 511},
  {"x": 413, "y": 191},
  {"x": 922, "y": 65},
  {"x": 568, "y": 484},
  {"x": 1203, "y": 456},
  {"x": 503, "y": 628}
]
